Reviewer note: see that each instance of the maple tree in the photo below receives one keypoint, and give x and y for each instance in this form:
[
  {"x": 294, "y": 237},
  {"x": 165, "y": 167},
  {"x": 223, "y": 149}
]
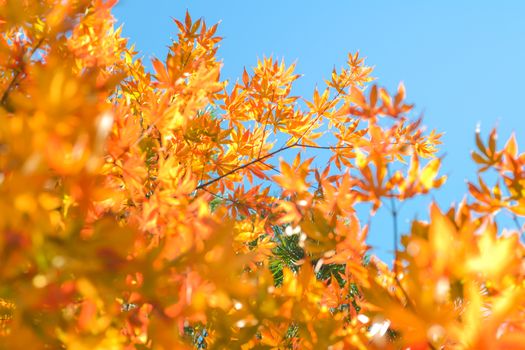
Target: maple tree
[{"x": 159, "y": 209}]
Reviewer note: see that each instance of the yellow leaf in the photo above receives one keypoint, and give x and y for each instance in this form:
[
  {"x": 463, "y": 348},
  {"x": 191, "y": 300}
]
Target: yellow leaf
[
  {"x": 442, "y": 234},
  {"x": 429, "y": 173}
]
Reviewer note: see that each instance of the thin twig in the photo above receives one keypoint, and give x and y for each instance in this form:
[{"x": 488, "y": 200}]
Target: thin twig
[
  {"x": 14, "y": 80},
  {"x": 512, "y": 214},
  {"x": 324, "y": 147},
  {"x": 9, "y": 87},
  {"x": 394, "y": 212},
  {"x": 257, "y": 160}
]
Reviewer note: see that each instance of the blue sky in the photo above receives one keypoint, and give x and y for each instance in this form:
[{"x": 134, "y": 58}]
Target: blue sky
[{"x": 463, "y": 63}]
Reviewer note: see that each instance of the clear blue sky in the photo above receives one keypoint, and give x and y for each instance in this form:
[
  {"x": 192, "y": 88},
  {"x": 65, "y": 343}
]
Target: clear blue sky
[{"x": 463, "y": 63}]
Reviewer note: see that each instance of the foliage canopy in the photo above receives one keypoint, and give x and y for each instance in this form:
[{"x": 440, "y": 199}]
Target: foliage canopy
[{"x": 153, "y": 210}]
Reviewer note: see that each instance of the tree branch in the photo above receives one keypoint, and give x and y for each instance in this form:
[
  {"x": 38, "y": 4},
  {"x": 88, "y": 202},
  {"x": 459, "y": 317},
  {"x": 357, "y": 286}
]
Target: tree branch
[{"x": 266, "y": 124}]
